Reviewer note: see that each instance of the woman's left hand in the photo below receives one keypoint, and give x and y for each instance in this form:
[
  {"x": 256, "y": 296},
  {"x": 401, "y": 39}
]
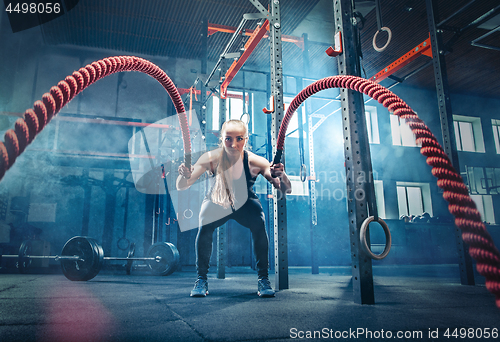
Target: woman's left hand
[{"x": 280, "y": 179}]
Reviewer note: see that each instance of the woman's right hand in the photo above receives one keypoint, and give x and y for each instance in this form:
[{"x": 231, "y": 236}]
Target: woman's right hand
[{"x": 184, "y": 171}]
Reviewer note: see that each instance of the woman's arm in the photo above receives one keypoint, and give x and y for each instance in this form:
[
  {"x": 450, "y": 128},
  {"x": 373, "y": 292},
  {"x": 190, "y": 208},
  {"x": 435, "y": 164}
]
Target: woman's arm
[
  {"x": 278, "y": 170},
  {"x": 275, "y": 174},
  {"x": 188, "y": 177}
]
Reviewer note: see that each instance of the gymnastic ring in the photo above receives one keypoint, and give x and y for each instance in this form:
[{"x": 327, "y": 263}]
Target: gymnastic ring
[
  {"x": 374, "y": 42},
  {"x": 364, "y": 244},
  {"x": 189, "y": 211},
  {"x": 303, "y": 172},
  {"x": 123, "y": 243},
  {"x": 247, "y": 118}
]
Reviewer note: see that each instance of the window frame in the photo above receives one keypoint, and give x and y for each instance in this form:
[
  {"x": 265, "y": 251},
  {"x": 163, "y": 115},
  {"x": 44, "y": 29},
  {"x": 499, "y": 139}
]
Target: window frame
[
  {"x": 371, "y": 118},
  {"x": 425, "y": 197},
  {"x": 401, "y": 133},
  {"x": 476, "y": 131},
  {"x": 495, "y": 125},
  {"x": 484, "y": 204}
]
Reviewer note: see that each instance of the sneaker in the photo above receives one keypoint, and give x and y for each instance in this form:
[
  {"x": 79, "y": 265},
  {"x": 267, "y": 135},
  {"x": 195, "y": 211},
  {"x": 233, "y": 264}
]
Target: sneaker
[
  {"x": 265, "y": 289},
  {"x": 200, "y": 288}
]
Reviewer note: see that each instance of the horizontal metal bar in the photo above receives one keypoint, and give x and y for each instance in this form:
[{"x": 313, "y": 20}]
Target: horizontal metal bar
[
  {"x": 423, "y": 48},
  {"x": 491, "y": 47},
  {"x": 414, "y": 72},
  {"x": 253, "y": 90},
  {"x": 254, "y": 16},
  {"x": 482, "y": 19},
  {"x": 250, "y": 45},
  {"x": 65, "y": 257},
  {"x": 77, "y": 258},
  {"x": 226, "y": 50},
  {"x": 475, "y": 43},
  {"x": 456, "y": 13},
  {"x": 157, "y": 258},
  {"x": 55, "y": 257}
]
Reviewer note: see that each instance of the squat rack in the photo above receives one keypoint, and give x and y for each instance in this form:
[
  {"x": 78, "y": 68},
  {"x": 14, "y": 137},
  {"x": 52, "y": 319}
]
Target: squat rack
[
  {"x": 273, "y": 23},
  {"x": 361, "y": 199}
]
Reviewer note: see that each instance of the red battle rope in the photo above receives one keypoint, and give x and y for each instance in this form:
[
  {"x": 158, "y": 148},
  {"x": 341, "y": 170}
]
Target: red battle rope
[
  {"x": 26, "y": 129},
  {"x": 467, "y": 217}
]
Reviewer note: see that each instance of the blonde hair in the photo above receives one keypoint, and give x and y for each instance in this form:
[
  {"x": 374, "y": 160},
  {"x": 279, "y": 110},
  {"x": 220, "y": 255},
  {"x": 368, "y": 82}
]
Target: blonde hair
[{"x": 222, "y": 192}]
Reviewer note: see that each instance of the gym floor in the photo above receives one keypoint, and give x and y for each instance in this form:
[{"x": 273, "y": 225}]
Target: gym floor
[{"x": 412, "y": 303}]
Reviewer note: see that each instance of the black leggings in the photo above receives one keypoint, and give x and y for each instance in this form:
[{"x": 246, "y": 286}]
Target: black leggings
[{"x": 250, "y": 215}]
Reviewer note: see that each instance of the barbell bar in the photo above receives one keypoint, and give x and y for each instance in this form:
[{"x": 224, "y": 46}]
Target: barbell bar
[
  {"x": 82, "y": 258},
  {"x": 55, "y": 257}
]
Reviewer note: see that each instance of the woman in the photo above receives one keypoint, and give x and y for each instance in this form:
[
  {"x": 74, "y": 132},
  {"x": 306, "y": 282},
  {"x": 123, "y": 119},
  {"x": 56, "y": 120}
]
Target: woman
[{"x": 231, "y": 196}]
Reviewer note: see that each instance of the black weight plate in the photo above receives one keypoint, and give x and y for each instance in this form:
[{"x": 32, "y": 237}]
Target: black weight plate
[
  {"x": 98, "y": 262},
  {"x": 88, "y": 250},
  {"x": 131, "y": 253},
  {"x": 169, "y": 258},
  {"x": 23, "y": 261}
]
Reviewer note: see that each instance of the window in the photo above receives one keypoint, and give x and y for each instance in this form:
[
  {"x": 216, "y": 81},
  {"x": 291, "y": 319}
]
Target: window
[
  {"x": 215, "y": 113},
  {"x": 484, "y": 204},
  {"x": 483, "y": 180},
  {"x": 379, "y": 196},
  {"x": 299, "y": 188},
  {"x": 464, "y": 136},
  {"x": 234, "y": 108},
  {"x": 468, "y": 133},
  {"x": 401, "y": 132},
  {"x": 372, "y": 124},
  {"x": 290, "y": 85},
  {"x": 414, "y": 198},
  {"x": 292, "y": 130},
  {"x": 496, "y": 135}
]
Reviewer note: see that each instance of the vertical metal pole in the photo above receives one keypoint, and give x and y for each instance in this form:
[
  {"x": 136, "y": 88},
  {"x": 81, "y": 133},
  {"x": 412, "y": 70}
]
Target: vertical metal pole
[
  {"x": 109, "y": 212},
  {"x": 357, "y": 153},
  {"x": 203, "y": 89},
  {"x": 221, "y": 231},
  {"x": 87, "y": 188},
  {"x": 246, "y": 109},
  {"x": 161, "y": 216},
  {"x": 270, "y": 201},
  {"x": 148, "y": 221},
  {"x": 446, "y": 117},
  {"x": 312, "y": 175},
  {"x": 173, "y": 226},
  {"x": 280, "y": 221},
  {"x": 312, "y": 197}
]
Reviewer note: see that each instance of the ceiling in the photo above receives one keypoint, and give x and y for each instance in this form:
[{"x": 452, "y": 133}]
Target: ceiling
[
  {"x": 174, "y": 29},
  {"x": 470, "y": 69}
]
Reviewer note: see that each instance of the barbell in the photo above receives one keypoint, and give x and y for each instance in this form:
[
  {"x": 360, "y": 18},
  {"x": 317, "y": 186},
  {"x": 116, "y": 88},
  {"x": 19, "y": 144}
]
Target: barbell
[{"x": 82, "y": 258}]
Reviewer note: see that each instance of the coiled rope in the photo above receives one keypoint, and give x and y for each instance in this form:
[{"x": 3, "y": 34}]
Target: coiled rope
[
  {"x": 460, "y": 204},
  {"x": 34, "y": 120}
]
